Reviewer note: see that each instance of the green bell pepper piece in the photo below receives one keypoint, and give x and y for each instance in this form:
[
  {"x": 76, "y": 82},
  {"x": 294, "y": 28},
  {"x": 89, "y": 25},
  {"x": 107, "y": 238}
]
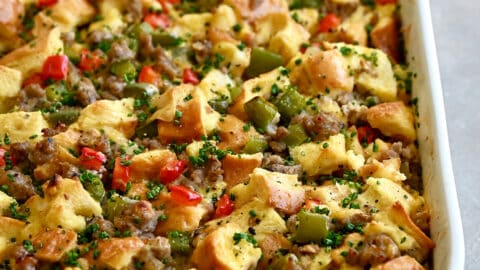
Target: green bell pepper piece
[
  {"x": 179, "y": 242},
  {"x": 235, "y": 91},
  {"x": 55, "y": 92},
  {"x": 139, "y": 90},
  {"x": 312, "y": 227},
  {"x": 255, "y": 144},
  {"x": 262, "y": 61},
  {"x": 262, "y": 113},
  {"x": 165, "y": 39},
  {"x": 290, "y": 103},
  {"x": 296, "y": 135},
  {"x": 94, "y": 186},
  {"x": 135, "y": 30},
  {"x": 296, "y": 4},
  {"x": 66, "y": 116},
  {"x": 124, "y": 69},
  {"x": 113, "y": 206}
]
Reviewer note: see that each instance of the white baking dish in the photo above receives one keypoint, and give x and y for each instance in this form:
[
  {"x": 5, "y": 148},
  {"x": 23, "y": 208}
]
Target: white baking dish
[{"x": 439, "y": 183}]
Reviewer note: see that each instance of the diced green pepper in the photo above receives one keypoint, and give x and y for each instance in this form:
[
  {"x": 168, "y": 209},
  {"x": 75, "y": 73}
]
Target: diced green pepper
[
  {"x": 290, "y": 103},
  {"x": 194, "y": 6},
  {"x": 296, "y": 135},
  {"x": 179, "y": 242},
  {"x": 55, "y": 92},
  {"x": 285, "y": 262},
  {"x": 262, "y": 61},
  {"x": 113, "y": 206},
  {"x": 255, "y": 144},
  {"x": 312, "y": 227},
  {"x": 65, "y": 116},
  {"x": 136, "y": 29},
  {"x": 235, "y": 91},
  {"x": 296, "y": 4},
  {"x": 124, "y": 69},
  {"x": 94, "y": 186},
  {"x": 165, "y": 39},
  {"x": 219, "y": 105},
  {"x": 149, "y": 130},
  {"x": 262, "y": 113},
  {"x": 140, "y": 90}
]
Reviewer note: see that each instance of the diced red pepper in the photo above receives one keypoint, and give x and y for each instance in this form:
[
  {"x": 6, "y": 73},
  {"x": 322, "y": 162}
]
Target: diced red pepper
[
  {"x": 89, "y": 61},
  {"x": 190, "y": 76},
  {"x": 311, "y": 203},
  {"x": 148, "y": 75},
  {"x": 55, "y": 67},
  {"x": 385, "y": 2},
  {"x": 91, "y": 159},
  {"x": 46, "y": 3},
  {"x": 157, "y": 20},
  {"x": 328, "y": 23},
  {"x": 184, "y": 196},
  {"x": 164, "y": 4},
  {"x": 121, "y": 175},
  {"x": 2, "y": 156},
  {"x": 171, "y": 171},
  {"x": 224, "y": 206},
  {"x": 365, "y": 134},
  {"x": 34, "y": 79}
]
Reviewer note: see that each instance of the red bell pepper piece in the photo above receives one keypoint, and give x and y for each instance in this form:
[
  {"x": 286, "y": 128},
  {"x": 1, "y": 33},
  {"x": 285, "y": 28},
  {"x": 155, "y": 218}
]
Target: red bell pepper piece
[
  {"x": 311, "y": 203},
  {"x": 34, "y": 79},
  {"x": 171, "y": 171},
  {"x": 328, "y": 23},
  {"x": 2, "y": 156},
  {"x": 148, "y": 75},
  {"x": 121, "y": 175},
  {"x": 91, "y": 159},
  {"x": 55, "y": 67},
  {"x": 184, "y": 196},
  {"x": 157, "y": 20},
  {"x": 224, "y": 206},
  {"x": 365, "y": 134},
  {"x": 89, "y": 61},
  {"x": 190, "y": 76},
  {"x": 46, "y": 3}
]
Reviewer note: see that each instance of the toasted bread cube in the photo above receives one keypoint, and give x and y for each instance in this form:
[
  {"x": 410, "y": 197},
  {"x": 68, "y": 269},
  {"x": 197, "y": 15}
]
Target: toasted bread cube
[
  {"x": 196, "y": 119},
  {"x": 116, "y": 253},
  {"x": 219, "y": 250},
  {"x": 114, "y": 117},
  {"x": 323, "y": 157},
  {"x": 147, "y": 165},
  {"x": 20, "y": 126},
  {"x": 288, "y": 40},
  {"x": 66, "y": 203},
  {"x": 393, "y": 119},
  {"x": 352, "y": 30},
  {"x": 179, "y": 217},
  {"x": 214, "y": 86},
  {"x": 168, "y": 102},
  {"x": 371, "y": 69},
  {"x": 381, "y": 193},
  {"x": 11, "y": 82},
  {"x": 235, "y": 60},
  {"x": 29, "y": 59},
  {"x": 260, "y": 86},
  {"x": 224, "y": 18},
  {"x": 71, "y": 13},
  {"x": 396, "y": 223},
  {"x": 237, "y": 168},
  {"x": 5, "y": 201},
  {"x": 389, "y": 168},
  {"x": 401, "y": 263},
  {"x": 232, "y": 133},
  {"x": 278, "y": 190},
  {"x": 11, "y": 228},
  {"x": 11, "y": 12},
  {"x": 52, "y": 244},
  {"x": 191, "y": 24},
  {"x": 308, "y": 18}
]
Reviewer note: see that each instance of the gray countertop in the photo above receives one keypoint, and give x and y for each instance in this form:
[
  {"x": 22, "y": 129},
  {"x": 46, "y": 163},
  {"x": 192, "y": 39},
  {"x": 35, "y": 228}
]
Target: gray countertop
[{"x": 458, "y": 46}]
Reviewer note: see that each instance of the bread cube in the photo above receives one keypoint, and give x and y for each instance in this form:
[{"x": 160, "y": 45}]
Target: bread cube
[
  {"x": 215, "y": 84},
  {"x": 52, "y": 244},
  {"x": 71, "y": 13},
  {"x": 11, "y": 82},
  {"x": 401, "y": 263},
  {"x": 11, "y": 12},
  {"x": 389, "y": 168},
  {"x": 191, "y": 24},
  {"x": 115, "y": 253},
  {"x": 235, "y": 59},
  {"x": 393, "y": 119},
  {"x": 307, "y": 17},
  {"x": 219, "y": 250},
  {"x": 195, "y": 118},
  {"x": 322, "y": 157},
  {"x": 288, "y": 40},
  {"x": 29, "y": 58},
  {"x": 66, "y": 204},
  {"x": 224, "y": 18},
  {"x": 147, "y": 165},
  {"x": 352, "y": 30},
  {"x": 114, "y": 117},
  {"x": 20, "y": 126},
  {"x": 5, "y": 202},
  {"x": 232, "y": 135},
  {"x": 11, "y": 228},
  {"x": 237, "y": 168},
  {"x": 371, "y": 69},
  {"x": 278, "y": 190}
]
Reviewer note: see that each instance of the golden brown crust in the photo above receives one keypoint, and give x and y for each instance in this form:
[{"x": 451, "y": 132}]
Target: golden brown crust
[{"x": 51, "y": 244}]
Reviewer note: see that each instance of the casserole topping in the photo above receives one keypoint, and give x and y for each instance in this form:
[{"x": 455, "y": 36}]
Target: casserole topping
[{"x": 230, "y": 134}]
